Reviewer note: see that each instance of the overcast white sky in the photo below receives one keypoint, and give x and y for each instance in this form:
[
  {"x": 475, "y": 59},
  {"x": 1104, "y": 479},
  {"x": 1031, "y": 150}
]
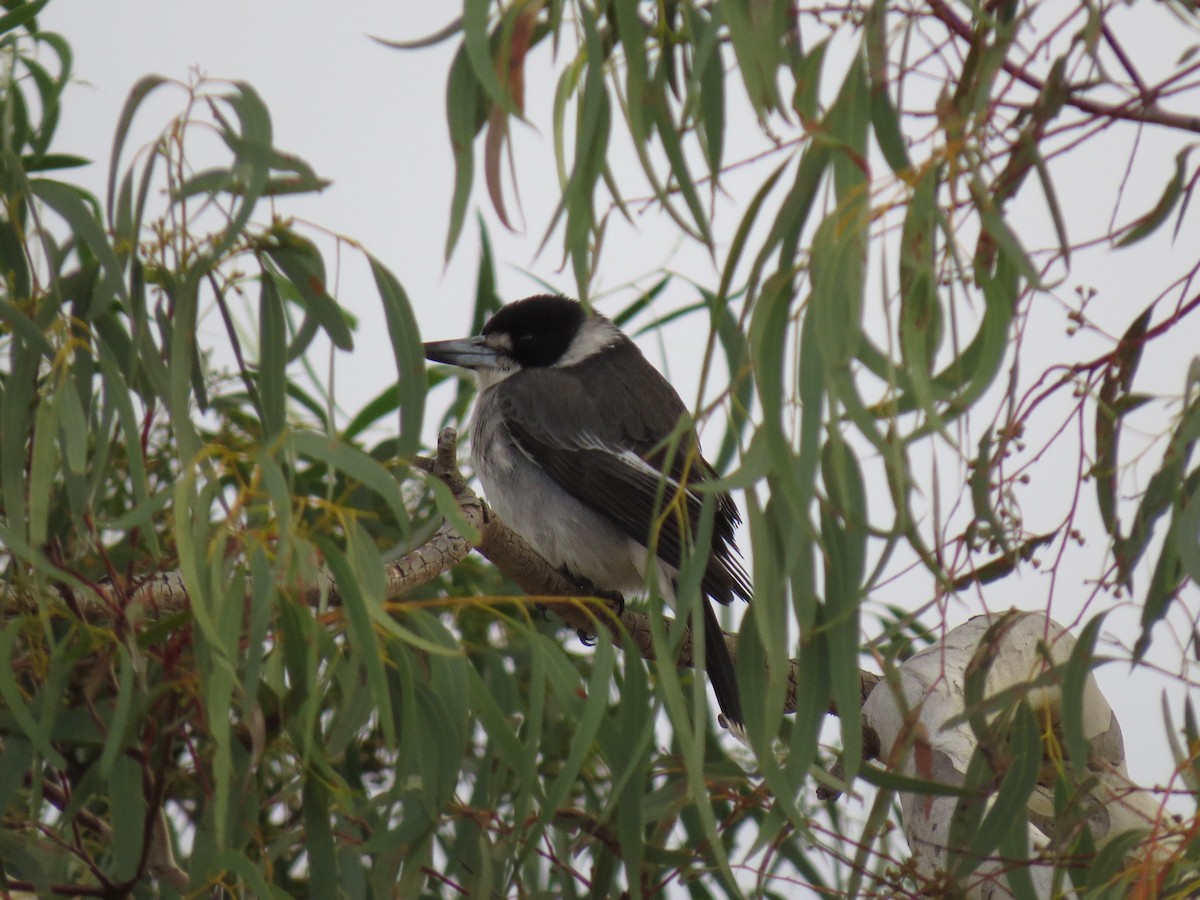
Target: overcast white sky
[{"x": 372, "y": 119}]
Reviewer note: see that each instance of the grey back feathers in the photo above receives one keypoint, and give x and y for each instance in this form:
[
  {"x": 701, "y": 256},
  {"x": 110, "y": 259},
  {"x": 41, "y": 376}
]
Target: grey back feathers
[{"x": 610, "y": 448}]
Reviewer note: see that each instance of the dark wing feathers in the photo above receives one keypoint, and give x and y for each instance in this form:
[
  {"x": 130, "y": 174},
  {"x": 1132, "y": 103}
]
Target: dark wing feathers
[{"x": 589, "y": 430}]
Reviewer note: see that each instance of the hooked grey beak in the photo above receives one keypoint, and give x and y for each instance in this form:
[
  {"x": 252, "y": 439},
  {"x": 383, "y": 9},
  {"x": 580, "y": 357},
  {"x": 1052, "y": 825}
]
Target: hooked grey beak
[{"x": 469, "y": 353}]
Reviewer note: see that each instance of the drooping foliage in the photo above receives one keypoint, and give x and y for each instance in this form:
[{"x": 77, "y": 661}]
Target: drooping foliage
[{"x": 876, "y": 189}]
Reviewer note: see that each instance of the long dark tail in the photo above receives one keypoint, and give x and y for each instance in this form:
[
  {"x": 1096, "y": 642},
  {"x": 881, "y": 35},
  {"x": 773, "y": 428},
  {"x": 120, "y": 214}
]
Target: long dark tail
[{"x": 719, "y": 664}]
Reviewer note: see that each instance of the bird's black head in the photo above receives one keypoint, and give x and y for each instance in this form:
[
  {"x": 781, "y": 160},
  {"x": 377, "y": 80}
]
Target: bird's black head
[
  {"x": 535, "y": 333},
  {"x": 540, "y": 329}
]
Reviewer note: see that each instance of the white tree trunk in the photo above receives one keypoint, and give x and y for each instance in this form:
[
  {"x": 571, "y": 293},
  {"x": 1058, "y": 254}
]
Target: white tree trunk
[{"x": 911, "y": 718}]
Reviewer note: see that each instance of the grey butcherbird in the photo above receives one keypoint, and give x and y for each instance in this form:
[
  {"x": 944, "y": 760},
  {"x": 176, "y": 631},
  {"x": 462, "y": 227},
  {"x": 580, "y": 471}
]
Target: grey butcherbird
[{"x": 576, "y": 440}]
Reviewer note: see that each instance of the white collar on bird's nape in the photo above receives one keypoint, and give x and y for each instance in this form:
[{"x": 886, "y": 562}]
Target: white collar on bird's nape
[{"x": 596, "y": 333}]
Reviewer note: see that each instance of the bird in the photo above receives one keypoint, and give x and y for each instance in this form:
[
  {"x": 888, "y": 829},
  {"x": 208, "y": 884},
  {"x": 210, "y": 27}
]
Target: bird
[{"x": 586, "y": 451}]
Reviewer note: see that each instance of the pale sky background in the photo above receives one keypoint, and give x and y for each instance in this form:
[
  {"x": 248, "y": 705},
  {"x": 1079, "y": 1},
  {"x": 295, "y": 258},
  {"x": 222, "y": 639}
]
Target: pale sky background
[{"x": 373, "y": 120}]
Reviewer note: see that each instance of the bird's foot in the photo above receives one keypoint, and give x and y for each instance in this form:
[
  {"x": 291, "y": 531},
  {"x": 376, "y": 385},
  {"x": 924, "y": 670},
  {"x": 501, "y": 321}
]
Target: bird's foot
[
  {"x": 616, "y": 607},
  {"x": 616, "y": 599}
]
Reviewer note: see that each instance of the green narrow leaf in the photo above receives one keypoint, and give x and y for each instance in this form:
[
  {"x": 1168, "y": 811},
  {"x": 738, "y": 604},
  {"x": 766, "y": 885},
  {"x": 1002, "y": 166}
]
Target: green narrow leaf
[
  {"x": 16, "y": 757},
  {"x": 445, "y": 707},
  {"x": 114, "y": 742},
  {"x": 993, "y": 223},
  {"x": 240, "y": 864},
  {"x": 409, "y": 355},
  {"x": 1187, "y": 531},
  {"x": 1147, "y": 224},
  {"x": 253, "y": 156},
  {"x": 1056, "y": 215},
  {"x": 486, "y": 299},
  {"x": 814, "y": 687},
  {"x": 969, "y": 376},
  {"x": 191, "y": 538},
  {"x": 127, "y": 796},
  {"x": 1074, "y": 680},
  {"x": 50, "y": 162},
  {"x": 689, "y": 734},
  {"x": 627, "y": 749},
  {"x": 921, "y": 321},
  {"x": 17, "y": 400},
  {"x": 351, "y": 573},
  {"x": 812, "y": 387},
  {"x": 1111, "y": 406},
  {"x": 885, "y": 120},
  {"x": 479, "y": 54},
  {"x": 968, "y": 815},
  {"x": 806, "y": 71},
  {"x": 354, "y": 463},
  {"x": 74, "y": 425},
  {"x": 709, "y": 74},
  {"x": 670, "y": 135},
  {"x": 758, "y": 32},
  {"x": 208, "y": 181},
  {"x": 593, "y": 120},
  {"x": 137, "y": 94},
  {"x": 25, "y": 329},
  {"x": 129, "y": 224},
  {"x": 301, "y": 263},
  {"x": 1014, "y": 847},
  {"x": 981, "y": 494},
  {"x": 839, "y": 248},
  {"x": 759, "y": 661},
  {"x": 318, "y": 839},
  {"x": 634, "y": 37},
  {"x": 920, "y": 310},
  {"x": 67, "y": 201},
  {"x": 262, "y": 600},
  {"x": 1008, "y": 810},
  {"x": 1104, "y": 470},
  {"x": 1109, "y": 872},
  {"x": 502, "y": 738},
  {"x": 184, "y": 356},
  {"x": 838, "y": 277},
  {"x": 844, "y": 537},
  {"x": 217, "y": 651},
  {"x": 768, "y": 320},
  {"x": 43, "y": 466},
  {"x": 893, "y": 781},
  {"x": 272, "y": 358},
  {"x": 22, "y": 15},
  {"x": 300, "y": 635},
  {"x": 1168, "y": 576},
  {"x": 30, "y": 728},
  {"x": 14, "y": 269},
  {"x": 741, "y": 384},
  {"x": 848, "y": 123},
  {"x": 1161, "y": 493},
  {"x": 117, "y": 395},
  {"x": 593, "y": 709},
  {"x": 466, "y": 111}
]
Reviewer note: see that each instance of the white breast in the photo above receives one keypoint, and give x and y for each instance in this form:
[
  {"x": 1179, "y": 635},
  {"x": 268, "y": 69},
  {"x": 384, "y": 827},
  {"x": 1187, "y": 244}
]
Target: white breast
[{"x": 568, "y": 534}]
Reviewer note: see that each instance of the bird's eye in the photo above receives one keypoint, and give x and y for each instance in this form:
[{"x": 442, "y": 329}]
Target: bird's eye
[{"x": 526, "y": 339}]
